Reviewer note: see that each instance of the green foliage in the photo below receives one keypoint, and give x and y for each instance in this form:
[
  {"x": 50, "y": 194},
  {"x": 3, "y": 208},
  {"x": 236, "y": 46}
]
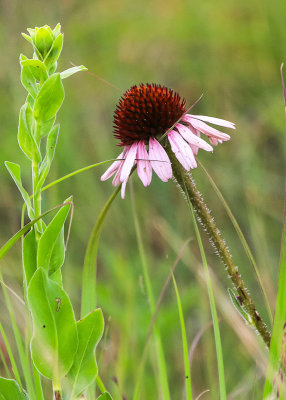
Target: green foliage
[
  {"x": 9, "y": 390},
  {"x": 49, "y": 99},
  {"x": 29, "y": 254},
  {"x": 105, "y": 396},
  {"x": 84, "y": 369},
  {"x": 50, "y": 152},
  {"x": 15, "y": 171},
  {"x": 55, "y": 339},
  {"x": 69, "y": 72},
  {"x": 26, "y": 139},
  {"x": 51, "y": 248}
]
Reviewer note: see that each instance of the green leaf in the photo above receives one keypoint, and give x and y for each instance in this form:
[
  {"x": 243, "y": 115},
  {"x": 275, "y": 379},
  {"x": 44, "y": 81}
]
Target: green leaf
[
  {"x": 49, "y": 98},
  {"x": 10, "y": 390},
  {"x": 43, "y": 39},
  {"x": 84, "y": 369},
  {"x": 58, "y": 253},
  {"x": 15, "y": 171},
  {"x": 29, "y": 254},
  {"x": 105, "y": 396},
  {"x": 57, "y": 277},
  {"x": 239, "y": 308},
  {"x": 28, "y": 80},
  {"x": 10, "y": 243},
  {"x": 57, "y": 30},
  {"x": 50, "y": 152},
  {"x": 54, "y": 52},
  {"x": 32, "y": 33},
  {"x": 27, "y": 37},
  {"x": 46, "y": 127},
  {"x": 25, "y": 138},
  {"x": 55, "y": 340},
  {"x": 30, "y": 99},
  {"x": 36, "y": 68},
  {"x": 50, "y": 252},
  {"x": 73, "y": 70}
]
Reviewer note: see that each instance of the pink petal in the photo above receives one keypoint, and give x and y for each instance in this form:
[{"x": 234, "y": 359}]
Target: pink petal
[
  {"x": 116, "y": 179},
  {"x": 192, "y": 138},
  {"x": 113, "y": 168},
  {"x": 129, "y": 162},
  {"x": 214, "y": 141},
  {"x": 159, "y": 160},
  {"x": 144, "y": 168},
  {"x": 197, "y": 133},
  {"x": 123, "y": 187},
  {"x": 182, "y": 150},
  {"x": 212, "y": 120},
  {"x": 208, "y": 130}
]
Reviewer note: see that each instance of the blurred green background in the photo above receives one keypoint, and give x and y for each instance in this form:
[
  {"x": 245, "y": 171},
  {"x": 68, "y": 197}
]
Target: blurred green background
[{"x": 231, "y": 52}]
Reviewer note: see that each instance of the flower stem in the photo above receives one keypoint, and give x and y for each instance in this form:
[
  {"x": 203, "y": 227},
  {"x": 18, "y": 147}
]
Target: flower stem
[{"x": 187, "y": 184}]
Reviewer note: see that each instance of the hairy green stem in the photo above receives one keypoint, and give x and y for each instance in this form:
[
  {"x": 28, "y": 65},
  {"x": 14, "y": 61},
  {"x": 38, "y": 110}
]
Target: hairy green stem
[{"x": 187, "y": 184}]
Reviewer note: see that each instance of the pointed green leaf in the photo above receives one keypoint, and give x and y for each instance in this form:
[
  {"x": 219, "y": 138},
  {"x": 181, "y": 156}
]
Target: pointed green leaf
[
  {"x": 57, "y": 277},
  {"x": 55, "y": 340},
  {"x": 48, "y": 245},
  {"x": 44, "y": 39},
  {"x": 25, "y": 138},
  {"x": 32, "y": 33},
  {"x": 58, "y": 253},
  {"x": 29, "y": 255},
  {"x": 29, "y": 81},
  {"x": 54, "y": 52},
  {"x": 15, "y": 171},
  {"x": 105, "y": 396},
  {"x": 238, "y": 307},
  {"x": 27, "y": 37},
  {"x": 36, "y": 69},
  {"x": 47, "y": 126},
  {"x": 84, "y": 369},
  {"x": 49, "y": 99},
  {"x": 50, "y": 152},
  {"x": 10, "y": 390},
  {"x": 10, "y": 243},
  {"x": 57, "y": 30},
  {"x": 73, "y": 70}
]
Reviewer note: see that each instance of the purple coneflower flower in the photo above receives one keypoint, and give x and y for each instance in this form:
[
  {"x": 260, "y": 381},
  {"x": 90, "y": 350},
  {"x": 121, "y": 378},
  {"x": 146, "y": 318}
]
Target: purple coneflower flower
[{"x": 143, "y": 116}]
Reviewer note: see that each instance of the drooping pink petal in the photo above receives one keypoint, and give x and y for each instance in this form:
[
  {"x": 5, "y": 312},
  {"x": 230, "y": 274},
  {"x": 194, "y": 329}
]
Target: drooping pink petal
[
  {"x": 116, "y": 179},
  {"x": 197, "y": 133},
  {"x": 159, "y": 160},
  {"x": 129, "y": 162},
  {"x": 208, "y": 130},
  {"x": 123, "y": 187},
  {"x": 213, "y": 141},
  {"x": 211, "y": 120},
  {"x": 144, "y": 168},
  {"x": 192, "y": 138},
  {"x": 113, "y": 167},
  {"x": 182, "y": 150}
]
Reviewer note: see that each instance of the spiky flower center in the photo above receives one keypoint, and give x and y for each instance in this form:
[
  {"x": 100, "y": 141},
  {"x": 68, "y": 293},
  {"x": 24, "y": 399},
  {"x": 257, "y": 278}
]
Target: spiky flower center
[{"x": 146, "y": 111}]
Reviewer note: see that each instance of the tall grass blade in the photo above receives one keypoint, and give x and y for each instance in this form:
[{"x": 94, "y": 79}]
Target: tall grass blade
[
  {"x": 277, "y": 350},
  {"x": 24, "y": 357},
  {"x": 78, "y": 171},
  {"x": 11, "y": 356},
  {"x": 163, "y": 378},
  {"x": 88, "y": 294},
  {"x": 185, "y": 344}
]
